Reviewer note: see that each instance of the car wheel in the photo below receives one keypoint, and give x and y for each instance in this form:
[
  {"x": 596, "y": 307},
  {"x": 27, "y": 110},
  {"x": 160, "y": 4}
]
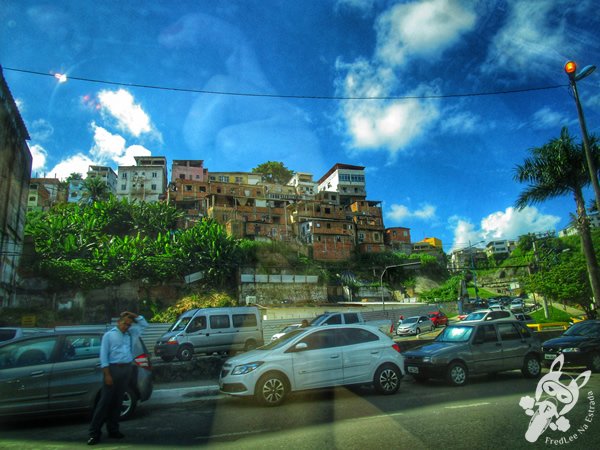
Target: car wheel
[
  {"x": 167, "y": 358},
  {"x": 250, "y": 345},
  {"x": 129, "y": 404},
  {"x": 594, "y": 362},
  {"x": 418, "y": 331},
  {"x": 387, "y": 379},
  {"x": 532, "y": 367},
  {"x": 185, "y": 353},
  {"x": 271, "y": 389},
  {"x": 457, "y": 374}
]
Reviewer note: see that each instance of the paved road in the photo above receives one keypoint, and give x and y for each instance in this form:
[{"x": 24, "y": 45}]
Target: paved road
[{"x": 483, "y": 414}]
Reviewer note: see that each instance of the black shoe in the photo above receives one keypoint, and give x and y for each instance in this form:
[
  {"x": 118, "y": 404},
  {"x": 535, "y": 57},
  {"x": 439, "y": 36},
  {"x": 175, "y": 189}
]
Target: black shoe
[
  {"x": 116, "y": 435},
  {"x": 93, "y": 440}
]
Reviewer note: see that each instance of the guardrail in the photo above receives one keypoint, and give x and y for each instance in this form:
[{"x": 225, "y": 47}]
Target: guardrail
[{"x": 540, "y": 326}]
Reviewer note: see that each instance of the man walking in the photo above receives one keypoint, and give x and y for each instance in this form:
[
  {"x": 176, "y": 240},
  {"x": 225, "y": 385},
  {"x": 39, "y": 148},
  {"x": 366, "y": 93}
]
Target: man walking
[{"x": 116, "y": 358}]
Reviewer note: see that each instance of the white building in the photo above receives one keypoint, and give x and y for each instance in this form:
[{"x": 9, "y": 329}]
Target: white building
[
  {"x": 106, "y": 174},
  {"x": 500, "y": 247},
  {"x": 146, "y": 181},
  {"x": 347, "y": 180}
]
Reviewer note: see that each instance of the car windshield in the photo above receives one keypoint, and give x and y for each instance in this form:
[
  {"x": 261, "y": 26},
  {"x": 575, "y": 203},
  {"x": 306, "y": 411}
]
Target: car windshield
[
  {"x": 590, "y": 329},
  {"x": 180, "y": 324},
  {"x": 288, "y": 328},
  {"x": 410, "y": 320},
  {"x": 283, "y": 340},
  {"x": 455, "y": 334}
]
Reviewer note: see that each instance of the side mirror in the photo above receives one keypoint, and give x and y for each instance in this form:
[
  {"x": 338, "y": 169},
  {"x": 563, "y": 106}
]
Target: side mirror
[{"x": 300, "y": 346}]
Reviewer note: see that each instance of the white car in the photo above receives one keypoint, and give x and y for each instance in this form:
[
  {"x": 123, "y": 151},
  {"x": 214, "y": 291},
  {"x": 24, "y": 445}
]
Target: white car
[
  {"x": 312, "y": 358},
  {"x": 415, "y": 325},
  {"x": 285, "y": 330},
  {"x": 489, "y": 314}
]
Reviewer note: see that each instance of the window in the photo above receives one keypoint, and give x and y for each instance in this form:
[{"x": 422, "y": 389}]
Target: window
[
  {"x": 28, "y": 353},
  {"x": 153, "y": 187},
  {"x": 123, "y": 187},
  {"x": 336, "y": 319},
  {"x": 83, "y": 346},
  {"x": 351, "y": 317},
  {"x": 244, "y": 320},
  {"x": 154, "y": 175},
  {"x": 219, "y": 321},
  {"x": 182, "y": 176},
  {"x": 352, "y": 336},
  {"x": 124, "y": 175},
  {"x": 486, "y": 333},
  {"x": 508, "y": 332},
  {"x": 188, "y": 188},
  {"x": 196, "y": 324},
  {"x": 321, "y": 339}
]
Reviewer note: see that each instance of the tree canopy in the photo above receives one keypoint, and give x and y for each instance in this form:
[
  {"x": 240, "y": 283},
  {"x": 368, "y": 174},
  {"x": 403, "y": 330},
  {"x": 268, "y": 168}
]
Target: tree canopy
[{"x": 274, "y": 172}]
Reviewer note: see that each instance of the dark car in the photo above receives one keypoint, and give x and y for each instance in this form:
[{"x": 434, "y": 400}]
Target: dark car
[
  {"x": 438, "y": 318},
  {"x": 466, "y": 349},
  {"x": 580, "y": 345},
  {"x": 59, "y": 372}
]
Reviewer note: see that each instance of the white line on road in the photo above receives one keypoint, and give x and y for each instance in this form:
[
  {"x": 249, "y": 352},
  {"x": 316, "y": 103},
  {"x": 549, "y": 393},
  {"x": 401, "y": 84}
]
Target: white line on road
[{"x": 467, "y": 406}]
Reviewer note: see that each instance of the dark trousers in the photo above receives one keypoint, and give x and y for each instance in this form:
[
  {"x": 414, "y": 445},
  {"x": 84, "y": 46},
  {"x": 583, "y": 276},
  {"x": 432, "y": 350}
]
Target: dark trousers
[{"x": 108, "y": 408}]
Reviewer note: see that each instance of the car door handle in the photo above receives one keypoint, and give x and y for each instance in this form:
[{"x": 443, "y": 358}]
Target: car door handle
[
  {"x": 37, "y": 373},
  {"x": 375, "y": 352},
  {"x": 334, "y": 356}
]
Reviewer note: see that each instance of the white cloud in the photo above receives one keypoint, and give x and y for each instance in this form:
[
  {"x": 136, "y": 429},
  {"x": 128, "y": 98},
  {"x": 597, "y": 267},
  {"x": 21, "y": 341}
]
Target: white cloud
[
  {"x": 127, "y": 159},
  {"x": 418, "y": 29},
  {"x": 460, "y": 122},
  {"x": 39, "y": 156},
  {"x": 78, "y": 163},
  {"x": 508, "y": 224},
  {"x": 546, "y": 118},
  {"x": 107, "y": 146},
  {"x": 399, "y": 213},
  {"x": 130, "y": 116},
  {"x": 536, "y": 36},
  {"x": 40, "y": 130}
]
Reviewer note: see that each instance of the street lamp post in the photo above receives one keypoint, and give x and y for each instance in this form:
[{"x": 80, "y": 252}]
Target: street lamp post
[
  {"x": 574, "y": 77},
  {"x": 412, "y": 264}
]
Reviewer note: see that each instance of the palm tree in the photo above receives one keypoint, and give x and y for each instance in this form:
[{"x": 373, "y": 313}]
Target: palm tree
[
  {"x": 555, "y": 169},
  {"x": 94, "y": 189}
]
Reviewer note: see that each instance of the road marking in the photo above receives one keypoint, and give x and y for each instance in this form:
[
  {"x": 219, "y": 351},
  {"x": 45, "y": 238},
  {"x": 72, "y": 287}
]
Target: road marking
[
  {"x": 239, "y": 433},
  {"x": 467, "y": 406}
]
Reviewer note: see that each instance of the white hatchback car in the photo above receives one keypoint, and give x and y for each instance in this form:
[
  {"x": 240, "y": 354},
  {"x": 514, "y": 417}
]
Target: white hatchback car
[{"x": 315, "y": 357}]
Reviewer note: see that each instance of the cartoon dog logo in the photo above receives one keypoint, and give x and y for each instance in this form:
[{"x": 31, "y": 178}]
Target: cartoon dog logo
[{"x": 553, "y": 400}]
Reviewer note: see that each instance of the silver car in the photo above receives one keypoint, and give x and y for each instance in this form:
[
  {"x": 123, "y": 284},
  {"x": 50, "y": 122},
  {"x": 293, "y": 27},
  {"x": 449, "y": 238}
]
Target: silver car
[
  {"x": 315, "y": 357},
  {"x": 60, "y": 372},
  {"x": 415, "y": 325}
]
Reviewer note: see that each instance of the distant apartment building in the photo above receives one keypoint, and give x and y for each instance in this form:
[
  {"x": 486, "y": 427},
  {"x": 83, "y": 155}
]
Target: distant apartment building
[
  {"x": 466, "y": 258},
  {"x": 106, "y": 174},
  {"x": 347, "y": 181},
  {"x": 188, "y": 169},
  {"x": 571, "y": 230},
  {"x": 398, "y": 239},
  {"x": 15, "y": 172},
  {"x": 501, "y": 248},
  {"x": 146, "y": 181},
  {"x": 304, "y": 185},
  {"x": 368, "y": 220},
  {"x": 75, "y": 191},
  {"x": 44, "y": 193}
]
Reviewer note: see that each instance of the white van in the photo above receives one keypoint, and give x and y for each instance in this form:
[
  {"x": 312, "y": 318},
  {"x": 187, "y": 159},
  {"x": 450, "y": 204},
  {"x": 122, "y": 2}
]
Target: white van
[{"x": 210, "y": 330}]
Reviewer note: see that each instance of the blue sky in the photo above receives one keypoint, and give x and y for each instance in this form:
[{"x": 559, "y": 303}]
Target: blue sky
[{"x": 442, "y": 165}]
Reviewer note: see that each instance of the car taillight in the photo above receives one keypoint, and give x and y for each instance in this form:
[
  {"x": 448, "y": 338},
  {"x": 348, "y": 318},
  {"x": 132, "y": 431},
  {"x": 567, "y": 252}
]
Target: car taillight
[
  {"x": 397, "y": 348},
  {"x": 143, "y": 361}
]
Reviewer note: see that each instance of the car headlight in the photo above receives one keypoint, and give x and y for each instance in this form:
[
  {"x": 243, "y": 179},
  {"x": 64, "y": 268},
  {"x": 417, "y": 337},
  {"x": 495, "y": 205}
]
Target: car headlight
[
  {"x": 427, "y": 359},
  {"x": 246, "y": 368},
  {"x": 571, "y": 350}
]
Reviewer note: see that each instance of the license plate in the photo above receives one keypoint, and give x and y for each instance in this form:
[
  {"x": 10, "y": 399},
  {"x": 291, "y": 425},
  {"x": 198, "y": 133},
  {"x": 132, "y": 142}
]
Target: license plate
[
  {"x": 413, "y": 369},
  {"x": 549, "y": 356}
]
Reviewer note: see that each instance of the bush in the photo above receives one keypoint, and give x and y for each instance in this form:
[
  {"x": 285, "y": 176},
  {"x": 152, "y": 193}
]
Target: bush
[{"x": 206, "y": 300}]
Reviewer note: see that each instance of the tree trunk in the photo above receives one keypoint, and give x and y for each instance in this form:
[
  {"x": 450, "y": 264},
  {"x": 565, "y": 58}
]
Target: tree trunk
[{"x": 587, "y": 246}]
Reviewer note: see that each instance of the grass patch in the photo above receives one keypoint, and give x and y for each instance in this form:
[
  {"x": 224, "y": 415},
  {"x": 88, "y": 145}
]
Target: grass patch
[{"x": 555, "y": 315}]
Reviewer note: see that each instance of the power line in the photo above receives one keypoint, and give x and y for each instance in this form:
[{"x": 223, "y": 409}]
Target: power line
[{"x": 292, "y": 96}]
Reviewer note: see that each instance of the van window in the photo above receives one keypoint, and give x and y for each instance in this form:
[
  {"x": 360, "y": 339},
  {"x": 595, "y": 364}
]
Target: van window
[
  {"x": 220, "y": 321},
  {"x": 336, "y": 319},
  {"x": 508, "y": 332},
  {"x": 244, "y": 320},
  {"x": 197, "y": 323}
]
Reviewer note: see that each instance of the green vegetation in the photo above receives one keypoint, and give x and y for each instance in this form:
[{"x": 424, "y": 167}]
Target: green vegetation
[
  {"x": 211, "y": 299},
  {"x": 555, "y": 315},
  {"x": 274, "y": 172}
]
